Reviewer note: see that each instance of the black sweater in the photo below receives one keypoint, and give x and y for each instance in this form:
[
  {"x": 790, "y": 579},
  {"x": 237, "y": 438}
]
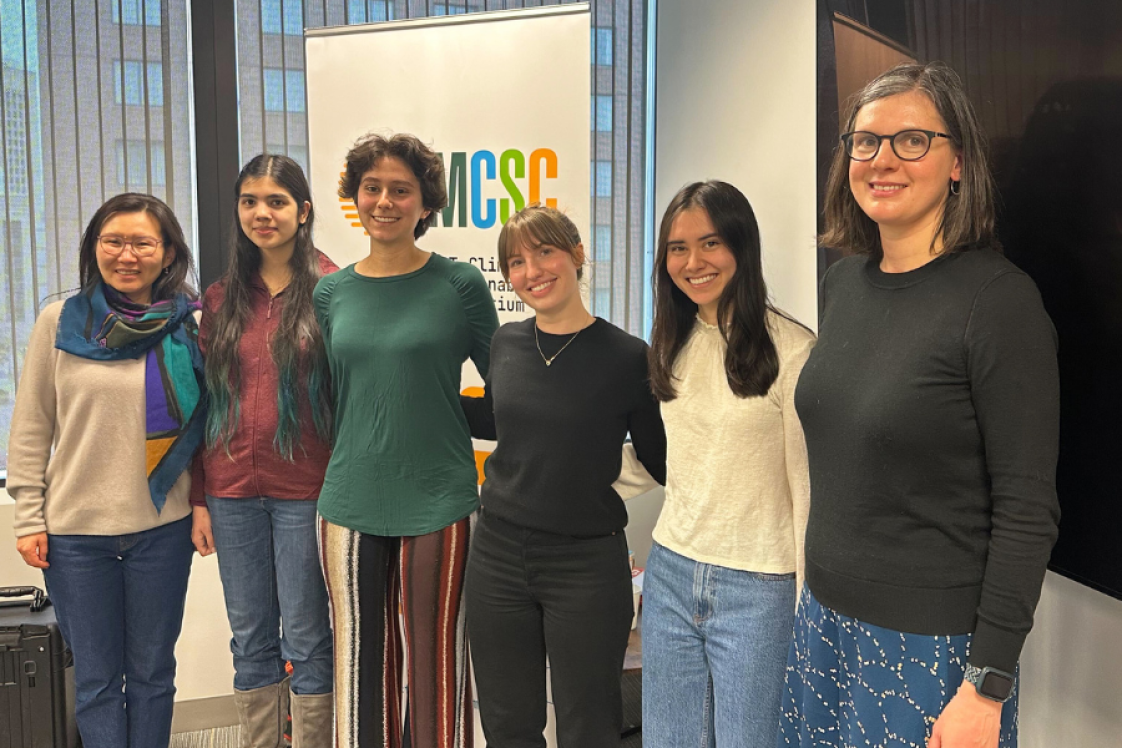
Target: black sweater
[
  {"x": 561, "y": 428},
  {"x": 931, "y": 412}
]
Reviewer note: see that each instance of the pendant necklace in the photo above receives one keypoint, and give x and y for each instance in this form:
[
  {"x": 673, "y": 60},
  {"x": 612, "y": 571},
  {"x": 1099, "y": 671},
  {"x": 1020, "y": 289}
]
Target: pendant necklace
[{"x": 549, "y": 361}]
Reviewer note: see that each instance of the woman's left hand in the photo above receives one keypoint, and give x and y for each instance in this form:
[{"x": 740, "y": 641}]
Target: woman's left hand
[
  {"x": 968, "y": 721},
  {"x": 201, "y": 535}
]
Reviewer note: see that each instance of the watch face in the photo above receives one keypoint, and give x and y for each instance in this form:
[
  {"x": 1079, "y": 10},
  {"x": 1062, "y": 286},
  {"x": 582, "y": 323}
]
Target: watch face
[{"x": 996, "y": 686}]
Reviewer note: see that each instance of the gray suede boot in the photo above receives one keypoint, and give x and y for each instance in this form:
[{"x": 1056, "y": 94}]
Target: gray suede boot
[
  {"x": 313, "y": 720},
  {"x": 263, "y": 714}
]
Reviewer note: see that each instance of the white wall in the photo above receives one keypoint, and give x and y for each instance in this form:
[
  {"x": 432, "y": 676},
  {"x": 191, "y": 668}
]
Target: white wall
[
  {"x": 205, "y": 665},
  {"x": 1071, "y": 669},
  {"x": 735, "y": 101}
]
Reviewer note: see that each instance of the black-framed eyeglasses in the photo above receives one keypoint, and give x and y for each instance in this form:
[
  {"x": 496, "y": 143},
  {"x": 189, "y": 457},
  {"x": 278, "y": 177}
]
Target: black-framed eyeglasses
[
  {"x": 142, "y": 246},
  {"x": 908, "y": 145}
]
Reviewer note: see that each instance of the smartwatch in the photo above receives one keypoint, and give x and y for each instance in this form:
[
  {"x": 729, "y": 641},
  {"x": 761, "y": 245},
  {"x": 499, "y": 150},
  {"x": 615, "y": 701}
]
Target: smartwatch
[{"x": 991, "y": 683}]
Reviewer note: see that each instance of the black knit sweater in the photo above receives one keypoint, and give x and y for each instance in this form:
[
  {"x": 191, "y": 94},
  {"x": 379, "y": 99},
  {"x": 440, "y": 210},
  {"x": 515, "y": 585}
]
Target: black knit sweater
[
  {"x": 931, "y": 412},
  {"x": 560, "y": 428}
]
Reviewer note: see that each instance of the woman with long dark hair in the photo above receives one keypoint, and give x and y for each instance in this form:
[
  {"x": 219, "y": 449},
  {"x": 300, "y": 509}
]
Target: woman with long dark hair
[
  {"x": 402, "y": 483},
  {"x": 109, "y": 413},
  {"x": 931, "y": 410},
  {"x": 720, "y": 589},
  {"x": 548, "y": 573},
  {"x": 268, "y": 443}
]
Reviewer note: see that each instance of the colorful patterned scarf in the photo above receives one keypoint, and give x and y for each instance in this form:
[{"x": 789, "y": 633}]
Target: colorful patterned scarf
[{"x": 104, "y": 325}]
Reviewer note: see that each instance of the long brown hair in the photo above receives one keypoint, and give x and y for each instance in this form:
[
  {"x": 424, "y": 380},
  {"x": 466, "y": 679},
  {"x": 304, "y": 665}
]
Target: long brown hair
[
  {"x": 968, "y": 217},
  {"x": 751, "y": 361},
  {"x": 177, "y": 277},
  {"x": 297, "y": 346}
]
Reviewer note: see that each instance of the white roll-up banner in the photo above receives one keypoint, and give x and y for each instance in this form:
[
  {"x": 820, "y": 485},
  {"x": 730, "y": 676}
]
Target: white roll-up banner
[{"x": 504, "y": 97}]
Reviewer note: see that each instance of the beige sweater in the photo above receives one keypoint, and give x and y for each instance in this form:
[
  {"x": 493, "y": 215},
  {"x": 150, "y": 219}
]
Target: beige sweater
[
  {"x": 92, "y": 414},
  {"x": 737, "y": 488}
]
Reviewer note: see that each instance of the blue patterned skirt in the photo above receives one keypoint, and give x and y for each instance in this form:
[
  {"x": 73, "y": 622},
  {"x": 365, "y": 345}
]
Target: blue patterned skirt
[{"x": 854, "y": 685}]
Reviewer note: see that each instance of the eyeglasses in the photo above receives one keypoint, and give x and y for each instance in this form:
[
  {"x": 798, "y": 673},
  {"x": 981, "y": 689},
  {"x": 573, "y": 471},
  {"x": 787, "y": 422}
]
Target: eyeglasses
[
  {"x": 142, "y": 246},
  {"x": 908, "y": 145}
]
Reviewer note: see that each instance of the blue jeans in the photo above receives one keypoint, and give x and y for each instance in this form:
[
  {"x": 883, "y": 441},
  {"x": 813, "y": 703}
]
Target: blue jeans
[
  {"x": 715, "y": 646},
  {"x": 119, "y": 601},
  {"x": 269, "y": 563}
]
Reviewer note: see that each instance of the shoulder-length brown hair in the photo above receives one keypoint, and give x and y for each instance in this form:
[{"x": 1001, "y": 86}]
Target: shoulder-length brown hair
[
  {"x": 751, "y": 361},
  {"x": 968, "y": 217},
  {"x": 421, "y": 160},
  {"x": 176, "y": 280}
]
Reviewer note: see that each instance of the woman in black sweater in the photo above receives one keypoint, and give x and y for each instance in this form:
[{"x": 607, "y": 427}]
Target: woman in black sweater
[
  {"x": 548, "y": 572},
  {"x": 931, "y": 412}
]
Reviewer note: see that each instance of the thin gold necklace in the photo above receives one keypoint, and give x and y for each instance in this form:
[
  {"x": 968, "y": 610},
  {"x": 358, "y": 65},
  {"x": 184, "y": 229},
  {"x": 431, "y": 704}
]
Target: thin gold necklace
[{"x": 549, "y": 361}]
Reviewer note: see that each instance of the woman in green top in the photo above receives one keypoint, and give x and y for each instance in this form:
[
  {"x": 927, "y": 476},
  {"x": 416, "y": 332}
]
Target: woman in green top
[{"x": 398, "y": 326}]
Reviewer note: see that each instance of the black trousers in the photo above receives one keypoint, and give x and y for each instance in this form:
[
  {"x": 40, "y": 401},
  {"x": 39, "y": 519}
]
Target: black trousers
[{"x": 529, "y": 594}]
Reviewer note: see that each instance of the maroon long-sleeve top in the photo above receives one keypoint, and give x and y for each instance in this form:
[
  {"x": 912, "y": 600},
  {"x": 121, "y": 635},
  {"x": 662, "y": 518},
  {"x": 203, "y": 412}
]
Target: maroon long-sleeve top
[{"x": 250, "y": 466}]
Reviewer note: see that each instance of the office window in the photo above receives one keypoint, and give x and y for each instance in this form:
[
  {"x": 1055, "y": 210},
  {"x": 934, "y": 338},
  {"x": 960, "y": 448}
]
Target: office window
[
  {"x": 602, "y": 244},
  {"x": 294, "y": 90},
  {"x": 299, "y": 154},
  {"x": 284, "y": 90},
  {"x": 602, "y": 114},
  {"x": 602, "y": 298},
  {"x": 73, "y": 73},
  {"x": 132, "y": 164},
  {"x": 13, "y": 179},
  {"x": 129, "y": 12},
  {"x": 602, "y": 179},
  {"x": 457, "y": 9},
  {"x": 371, "y": 11},
  {"x": 128, "y": 82},
  {"x": 273, "y": 79},
  {"x": 282, "y": 16},
  {"x": 601, "y": 46}
]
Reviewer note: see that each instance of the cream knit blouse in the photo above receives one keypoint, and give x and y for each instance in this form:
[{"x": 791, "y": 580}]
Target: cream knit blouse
[
  {"x": 92, "y": 413},
  {"x": 737, "y": 487}
]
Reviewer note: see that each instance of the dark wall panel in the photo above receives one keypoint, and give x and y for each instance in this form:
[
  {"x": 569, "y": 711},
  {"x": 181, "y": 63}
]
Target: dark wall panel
[{"x": 1046, "y": 79}]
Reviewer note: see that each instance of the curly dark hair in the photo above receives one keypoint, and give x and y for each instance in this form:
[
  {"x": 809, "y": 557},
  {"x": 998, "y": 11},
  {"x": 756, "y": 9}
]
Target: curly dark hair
[{"x": 425, "y": 164}]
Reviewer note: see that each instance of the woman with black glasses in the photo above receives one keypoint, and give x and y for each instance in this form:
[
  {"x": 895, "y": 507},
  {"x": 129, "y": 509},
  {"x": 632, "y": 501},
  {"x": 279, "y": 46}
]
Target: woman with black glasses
[{"x": 931, "y": 412}]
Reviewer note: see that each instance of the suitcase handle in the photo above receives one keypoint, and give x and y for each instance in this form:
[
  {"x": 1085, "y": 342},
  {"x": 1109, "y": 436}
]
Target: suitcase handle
[{"x": 38, "y": 599}]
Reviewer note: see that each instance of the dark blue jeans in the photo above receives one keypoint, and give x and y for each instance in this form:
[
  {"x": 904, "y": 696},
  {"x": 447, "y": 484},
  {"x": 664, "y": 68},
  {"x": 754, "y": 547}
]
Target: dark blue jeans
[{"x": 119, "y": 601}]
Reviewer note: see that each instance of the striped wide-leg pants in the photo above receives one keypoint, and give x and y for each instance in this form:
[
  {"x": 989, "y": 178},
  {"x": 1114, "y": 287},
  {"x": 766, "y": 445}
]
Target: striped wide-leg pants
[{"x": 368, "y": 578}]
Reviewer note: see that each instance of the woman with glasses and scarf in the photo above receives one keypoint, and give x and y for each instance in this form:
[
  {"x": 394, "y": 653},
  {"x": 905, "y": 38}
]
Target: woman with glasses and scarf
[
  {"x": 109, "y": 413},
  {"x": 931, "y": 412}
]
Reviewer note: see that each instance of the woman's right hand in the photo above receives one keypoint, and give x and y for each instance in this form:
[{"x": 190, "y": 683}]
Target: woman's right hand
[
  {"x": 33, "y": 548},
  {"x": 201, "y": 534}
]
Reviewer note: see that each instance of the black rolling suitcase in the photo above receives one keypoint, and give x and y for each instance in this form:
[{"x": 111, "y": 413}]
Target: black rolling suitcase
[{"x": 36, "y": 677}]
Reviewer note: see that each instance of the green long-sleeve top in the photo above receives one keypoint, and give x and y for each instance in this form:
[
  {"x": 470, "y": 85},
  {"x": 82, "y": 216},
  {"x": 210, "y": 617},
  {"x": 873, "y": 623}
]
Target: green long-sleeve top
[{"x": 403, "y": 462}]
